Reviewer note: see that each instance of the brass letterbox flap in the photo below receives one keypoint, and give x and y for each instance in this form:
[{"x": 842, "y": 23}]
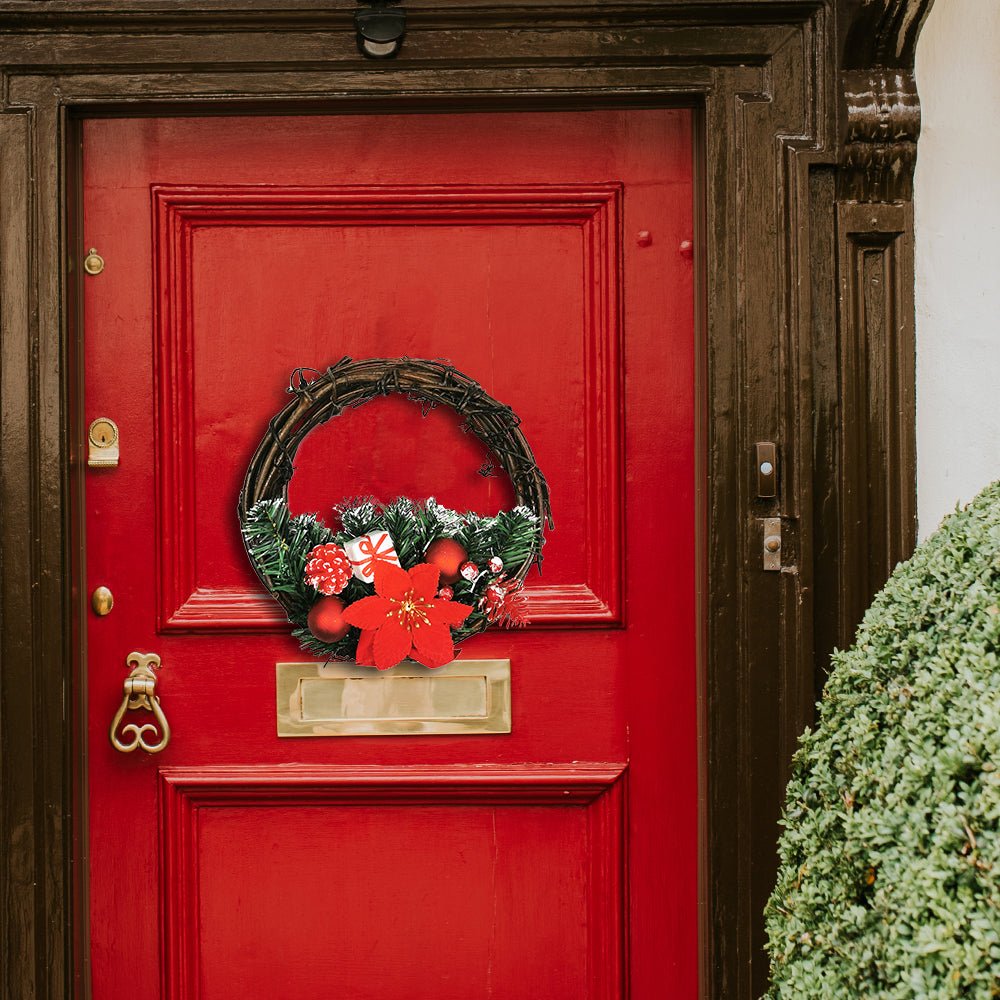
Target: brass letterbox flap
[{"x": 343, "y": 699}]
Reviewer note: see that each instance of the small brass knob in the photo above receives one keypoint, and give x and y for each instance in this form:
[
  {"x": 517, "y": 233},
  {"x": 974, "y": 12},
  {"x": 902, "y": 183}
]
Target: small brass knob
[
  {"x": 93, "y": 263},
  {"x": 102, "y": 601},
  {"x": 772, "y": 543}
]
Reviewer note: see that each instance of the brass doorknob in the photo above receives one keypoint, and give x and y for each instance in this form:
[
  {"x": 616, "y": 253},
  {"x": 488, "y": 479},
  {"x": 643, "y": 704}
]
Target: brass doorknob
[
  {"x": 140, "y": 693},
  {"x": 102, "y": 601}
]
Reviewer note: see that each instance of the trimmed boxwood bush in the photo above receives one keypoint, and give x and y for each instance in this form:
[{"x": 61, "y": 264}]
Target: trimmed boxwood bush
[{"x": 889, "y": 885}]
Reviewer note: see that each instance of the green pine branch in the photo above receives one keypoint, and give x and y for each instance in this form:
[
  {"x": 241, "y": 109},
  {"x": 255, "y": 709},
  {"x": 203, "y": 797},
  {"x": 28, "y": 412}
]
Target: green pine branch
[
  {"x": 357, "y": 517},
  {"x": 513, "y": 535},
  {"x": 279, "y": 545},
  {"x": 342, "y": 650}
]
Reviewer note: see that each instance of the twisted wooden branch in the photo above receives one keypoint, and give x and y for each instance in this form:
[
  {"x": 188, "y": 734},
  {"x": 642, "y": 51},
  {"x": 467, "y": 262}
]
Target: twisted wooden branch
[{"x": 431, "y": 383}]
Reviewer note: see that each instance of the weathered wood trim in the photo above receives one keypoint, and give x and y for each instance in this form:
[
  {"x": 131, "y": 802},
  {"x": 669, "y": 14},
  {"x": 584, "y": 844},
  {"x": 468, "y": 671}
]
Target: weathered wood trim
[
  {"x": 23, "y": 836},
  {"x": 882, "y": 32},
  {"x": 779, "y": 246},
  {"x": 874, "y": 498},
  {"x": 877, "y": 416}
]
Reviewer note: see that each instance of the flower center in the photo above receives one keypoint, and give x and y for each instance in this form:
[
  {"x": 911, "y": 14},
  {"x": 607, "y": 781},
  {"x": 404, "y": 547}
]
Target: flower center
[{"x": 411, "y": 611}]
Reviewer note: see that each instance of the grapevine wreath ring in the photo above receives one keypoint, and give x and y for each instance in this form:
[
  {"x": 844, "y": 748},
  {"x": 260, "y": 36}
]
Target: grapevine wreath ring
[{"x": 406, "y": 579}]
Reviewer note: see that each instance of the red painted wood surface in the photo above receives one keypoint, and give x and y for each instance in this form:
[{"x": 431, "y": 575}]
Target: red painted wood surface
[{"x": 559, "y": 861}]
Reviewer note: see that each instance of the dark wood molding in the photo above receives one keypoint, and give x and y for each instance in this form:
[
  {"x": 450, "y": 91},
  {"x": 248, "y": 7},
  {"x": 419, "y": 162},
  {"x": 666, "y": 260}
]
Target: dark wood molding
[
  {"x": 874, "y": 497},
  {"x": 882, "y": 32},
  {"x": 875, "y": 267},
  {"x": 805, "y": 309}
]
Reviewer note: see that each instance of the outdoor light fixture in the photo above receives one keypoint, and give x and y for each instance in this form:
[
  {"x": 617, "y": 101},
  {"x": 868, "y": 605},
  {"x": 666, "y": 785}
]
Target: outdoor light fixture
[{"x": 380, "y": 30}]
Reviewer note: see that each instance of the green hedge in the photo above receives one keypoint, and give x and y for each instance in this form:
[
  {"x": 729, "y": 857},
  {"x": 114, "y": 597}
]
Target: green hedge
[{"x": 889, "y": 885}]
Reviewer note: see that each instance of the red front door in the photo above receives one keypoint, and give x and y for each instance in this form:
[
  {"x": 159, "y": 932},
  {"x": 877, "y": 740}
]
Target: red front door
[{"x": 541, "y": 254}]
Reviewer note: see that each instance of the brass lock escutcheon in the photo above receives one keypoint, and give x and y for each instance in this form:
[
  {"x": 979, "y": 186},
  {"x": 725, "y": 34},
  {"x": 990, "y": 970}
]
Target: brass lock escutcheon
[
  {"x": 102, "y": 437},
  {"x": 140, "y": 695}
]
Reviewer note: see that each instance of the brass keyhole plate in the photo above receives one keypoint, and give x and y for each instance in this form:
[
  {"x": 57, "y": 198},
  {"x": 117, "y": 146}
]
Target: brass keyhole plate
[
  {"x": 103, "y": 451},
  {"x": 103, "y": 433}
]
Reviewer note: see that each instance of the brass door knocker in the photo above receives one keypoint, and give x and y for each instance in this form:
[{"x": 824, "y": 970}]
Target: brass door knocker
[{"x": 140, "y": 693}]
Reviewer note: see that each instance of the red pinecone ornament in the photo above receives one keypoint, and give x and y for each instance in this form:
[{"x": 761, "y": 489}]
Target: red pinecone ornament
[{"x": 328, "y": 569}]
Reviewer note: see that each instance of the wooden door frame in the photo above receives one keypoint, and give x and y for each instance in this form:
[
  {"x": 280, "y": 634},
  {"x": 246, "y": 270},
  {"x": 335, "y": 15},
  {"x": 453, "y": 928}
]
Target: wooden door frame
[{"x": 807, "y": 121}]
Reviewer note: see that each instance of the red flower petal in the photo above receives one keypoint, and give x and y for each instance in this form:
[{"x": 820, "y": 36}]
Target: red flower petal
[
  {"x": 369, "y": 612},
  {"x": 433, "y": 646},
  {"x": 448, "y": 612},
  {"x": 392, "y": 644},
  {"x": 365, "y": 654},
  {"x": 424, "y": 578},
  {"x": 391, "y": 581}
]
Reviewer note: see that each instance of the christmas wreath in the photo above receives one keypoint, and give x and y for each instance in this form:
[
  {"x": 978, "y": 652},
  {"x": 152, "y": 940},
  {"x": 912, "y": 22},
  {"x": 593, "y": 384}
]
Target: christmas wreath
[{"x": 405, "y": 579}]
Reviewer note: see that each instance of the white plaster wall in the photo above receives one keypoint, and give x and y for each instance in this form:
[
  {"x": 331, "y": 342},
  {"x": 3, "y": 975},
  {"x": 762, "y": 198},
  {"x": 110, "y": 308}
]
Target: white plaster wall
[{"x": 957, "y": 206}]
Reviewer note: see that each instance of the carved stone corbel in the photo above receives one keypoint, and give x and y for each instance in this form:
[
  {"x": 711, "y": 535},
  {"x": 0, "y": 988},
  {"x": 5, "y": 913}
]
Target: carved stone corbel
[
  {"x": 879, "y": 153},
  {"x": 879, "y": 103}
]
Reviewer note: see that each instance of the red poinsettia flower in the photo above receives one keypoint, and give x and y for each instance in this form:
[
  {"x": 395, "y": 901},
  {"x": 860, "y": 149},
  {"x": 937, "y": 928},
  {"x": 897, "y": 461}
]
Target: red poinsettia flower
[{"x": 405, "y": 620}]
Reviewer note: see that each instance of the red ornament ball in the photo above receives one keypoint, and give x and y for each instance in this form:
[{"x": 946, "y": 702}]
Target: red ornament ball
[
  {"x": 328, "y": 569},
  {"x": 469, "y": 571},
  {"x": 326, "y": 619},
  {"x": 445, "y": 594},
  {"x": 448, "y": 555},
  {"x": 495, "y": 564}
]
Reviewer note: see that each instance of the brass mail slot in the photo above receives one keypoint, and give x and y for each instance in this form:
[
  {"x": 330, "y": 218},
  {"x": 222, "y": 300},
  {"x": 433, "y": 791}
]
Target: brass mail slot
[{"x": 343, "y": 699}]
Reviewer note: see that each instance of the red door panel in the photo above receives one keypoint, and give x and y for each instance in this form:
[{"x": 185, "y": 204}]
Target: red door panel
[
  {"x": 431, "y": 254},
  {"x": 557, "y": 861}
]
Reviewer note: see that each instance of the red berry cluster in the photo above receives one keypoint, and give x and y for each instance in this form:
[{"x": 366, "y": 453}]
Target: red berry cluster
[
  {"x": 505, "y": 604},
  {"x": 328, "y": 569}
]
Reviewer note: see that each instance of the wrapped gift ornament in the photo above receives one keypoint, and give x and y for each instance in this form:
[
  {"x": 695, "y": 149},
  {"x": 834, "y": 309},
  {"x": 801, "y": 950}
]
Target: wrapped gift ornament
[{"x": 368, "y": 551}]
